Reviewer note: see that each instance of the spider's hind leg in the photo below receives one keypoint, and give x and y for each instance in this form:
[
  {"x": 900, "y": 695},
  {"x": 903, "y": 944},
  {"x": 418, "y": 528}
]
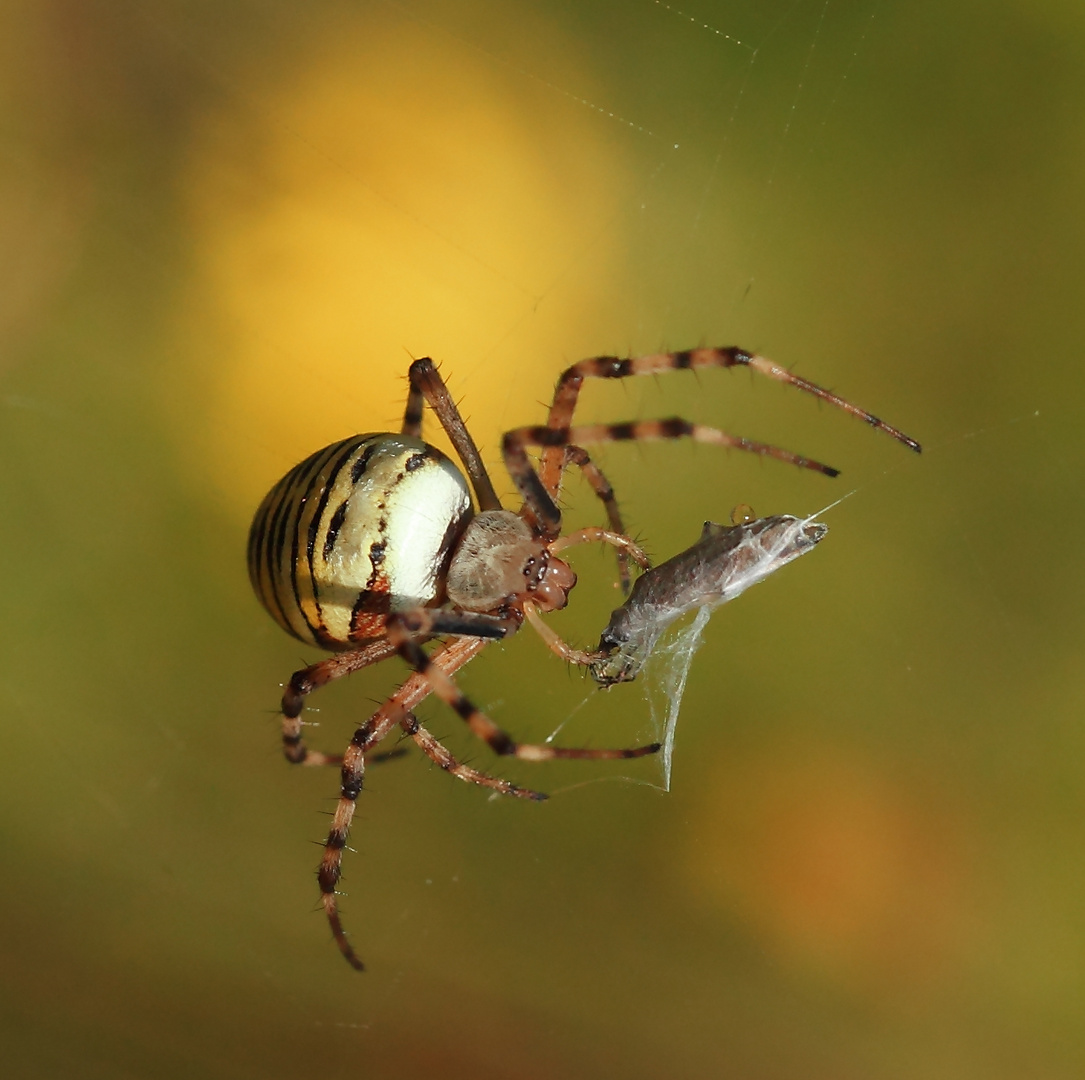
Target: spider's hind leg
[
  {"x": 439, "y": 754},
  {"x": 393, "y": 712},
  {"x": 427, "y": 385},
  {"x": 480, "y": 724},
  {"x": 304, "y": 682}
]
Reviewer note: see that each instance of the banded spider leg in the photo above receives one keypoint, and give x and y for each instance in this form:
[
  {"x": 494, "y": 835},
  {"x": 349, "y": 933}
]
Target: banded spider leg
[{"x": 559, "y": 432}]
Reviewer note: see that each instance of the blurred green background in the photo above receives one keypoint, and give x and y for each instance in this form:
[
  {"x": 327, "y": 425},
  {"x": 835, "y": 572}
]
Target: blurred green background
[{"x": 226, "y": 228}]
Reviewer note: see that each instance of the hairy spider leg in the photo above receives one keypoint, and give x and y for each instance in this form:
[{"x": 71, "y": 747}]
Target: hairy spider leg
[
  {"x": 594, "y": 534},
  {"x": 578, "y": 456},
  {"x": 473, "y": 631},
  {"x": 555, "y": 643},
  {"x": 425, "y": 383},
  {"x": 567, "y": 391},
  {"x": 304, "y": 682},
  {"x": 541, "y": 502},
  {"x": 439, "y": 754},
  {"x": 443, "y": 685},
  {"x": 393, "y": 712}
]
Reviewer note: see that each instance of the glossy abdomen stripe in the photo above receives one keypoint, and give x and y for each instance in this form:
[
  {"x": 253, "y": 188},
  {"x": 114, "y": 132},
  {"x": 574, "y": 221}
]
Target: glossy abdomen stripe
[{"x": 363, "y": 527}]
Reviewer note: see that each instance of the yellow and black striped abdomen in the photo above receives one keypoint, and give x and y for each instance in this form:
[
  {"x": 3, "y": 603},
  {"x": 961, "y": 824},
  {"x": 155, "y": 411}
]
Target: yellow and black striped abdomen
[{"x": 361, "y": 528}]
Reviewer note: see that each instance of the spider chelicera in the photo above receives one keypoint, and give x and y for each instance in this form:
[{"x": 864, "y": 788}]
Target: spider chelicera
[{"x": 371, "y": 547}]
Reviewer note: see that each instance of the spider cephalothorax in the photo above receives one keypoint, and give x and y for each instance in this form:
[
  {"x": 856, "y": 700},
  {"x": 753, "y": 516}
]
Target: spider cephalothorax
[{"x": 371, "y": 547}]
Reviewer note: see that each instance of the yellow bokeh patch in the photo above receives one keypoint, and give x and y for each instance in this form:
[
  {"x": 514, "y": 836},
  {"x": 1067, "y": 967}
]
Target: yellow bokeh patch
[{"x": 388, "y": 194}]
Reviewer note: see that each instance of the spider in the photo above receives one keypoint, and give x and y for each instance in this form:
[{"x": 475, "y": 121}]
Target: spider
[{"x": 371, "y": 547}]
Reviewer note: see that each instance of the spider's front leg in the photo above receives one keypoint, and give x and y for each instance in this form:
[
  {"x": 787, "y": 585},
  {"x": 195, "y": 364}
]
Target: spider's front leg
[
  {"x": 541, "y": 502},
  {"x": 578, "y": 456},
  {"x": 567, "y": 392}
]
